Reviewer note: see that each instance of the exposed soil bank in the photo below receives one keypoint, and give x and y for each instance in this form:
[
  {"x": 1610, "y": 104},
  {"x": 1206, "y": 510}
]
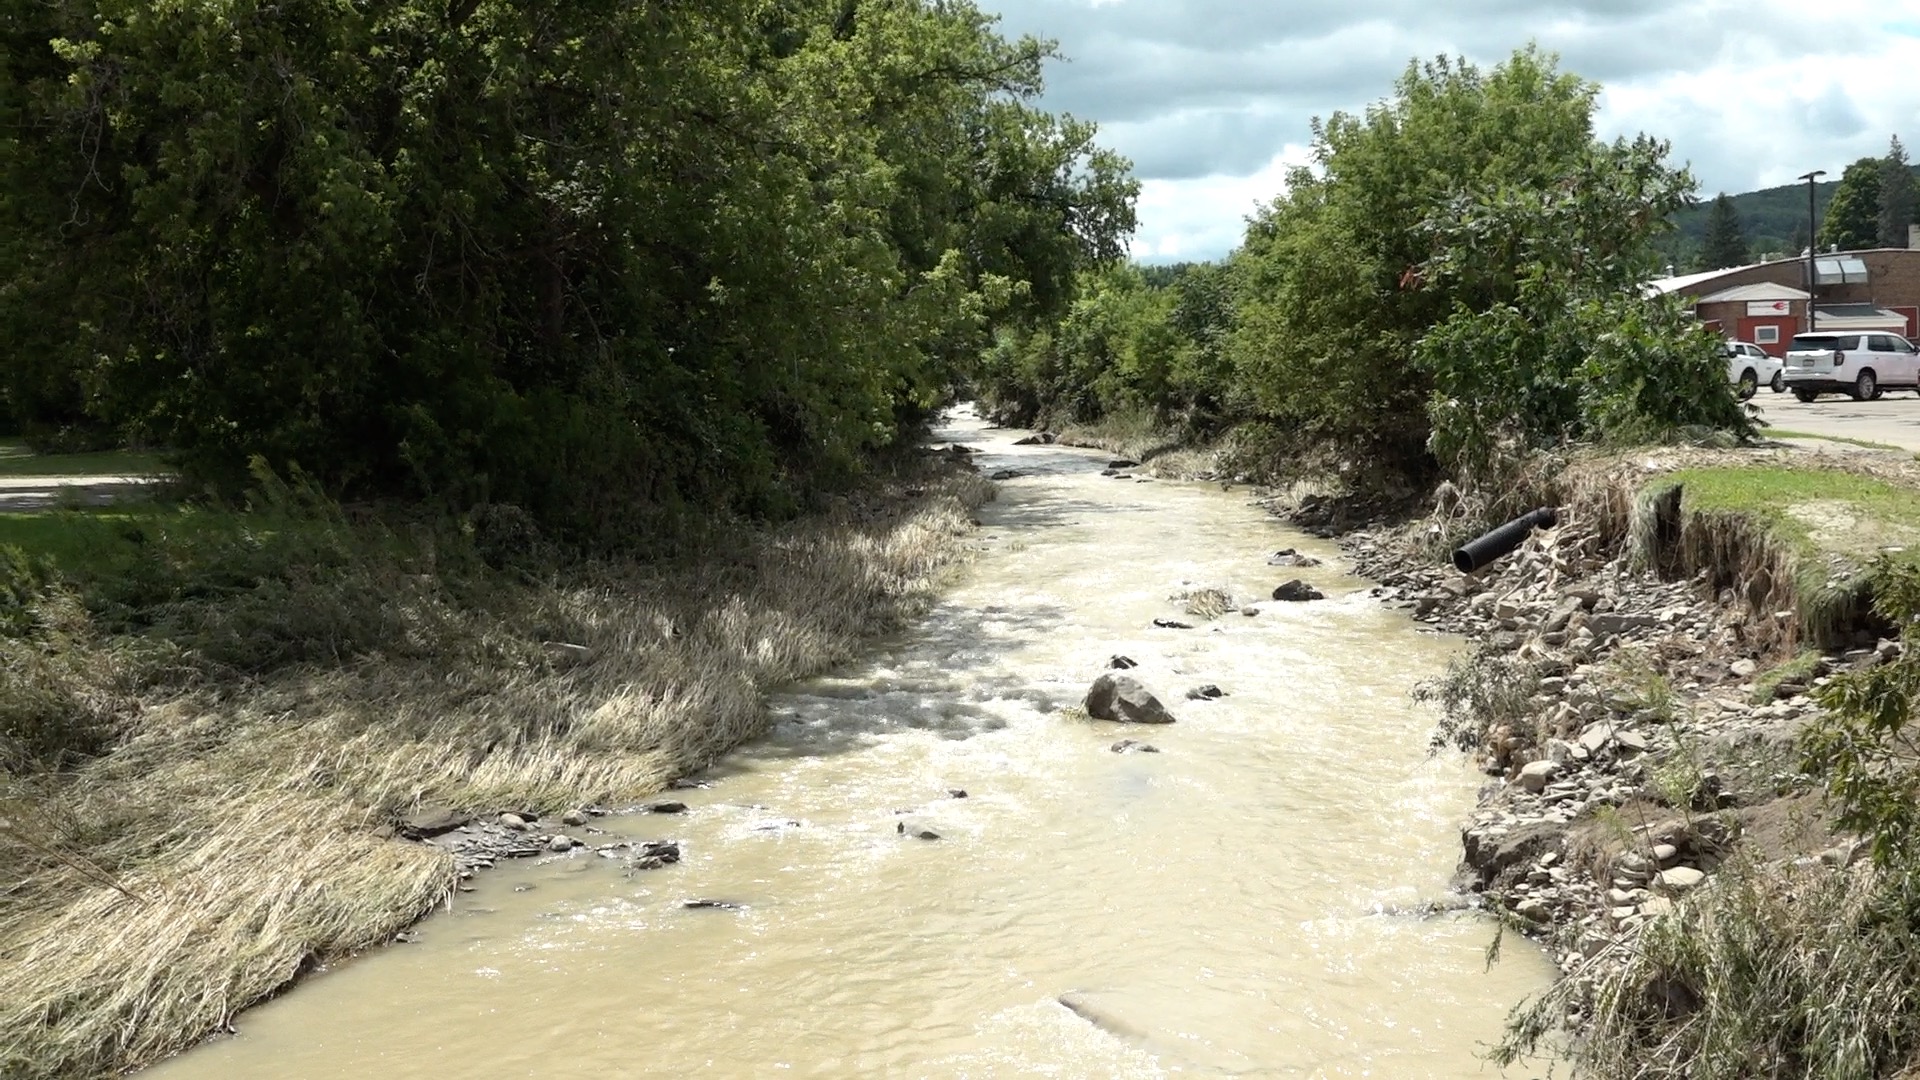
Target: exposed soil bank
[{"x": 244, "y": 832}]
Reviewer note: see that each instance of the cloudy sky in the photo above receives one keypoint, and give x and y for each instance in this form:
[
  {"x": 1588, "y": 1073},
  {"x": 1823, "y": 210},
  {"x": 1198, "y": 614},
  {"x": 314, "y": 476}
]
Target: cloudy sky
[{"x": 1212, "y": 98}]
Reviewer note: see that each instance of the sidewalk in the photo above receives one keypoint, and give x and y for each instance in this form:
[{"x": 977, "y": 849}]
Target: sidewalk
[{"x": 45, "y": 492}]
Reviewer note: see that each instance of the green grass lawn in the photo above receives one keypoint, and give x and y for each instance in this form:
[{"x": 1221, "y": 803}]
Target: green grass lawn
[
  {"x": 1814, "y": 511},
  {"x": 126, "y": 559},
  {"x": 16, "y": 460},
  {"x": 72, "y": 544}
]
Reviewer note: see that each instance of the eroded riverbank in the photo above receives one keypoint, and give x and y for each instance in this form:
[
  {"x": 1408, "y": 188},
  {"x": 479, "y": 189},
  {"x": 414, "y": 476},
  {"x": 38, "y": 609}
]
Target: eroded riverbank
[{"x": 1213, "y": 908}]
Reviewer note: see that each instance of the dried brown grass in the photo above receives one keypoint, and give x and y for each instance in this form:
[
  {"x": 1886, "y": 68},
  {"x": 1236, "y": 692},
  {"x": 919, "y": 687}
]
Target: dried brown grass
[
  {"x": 1161, "y": 451},
  {"x": 1769, "y": 971},
  {"x": 233, "y": 836}
]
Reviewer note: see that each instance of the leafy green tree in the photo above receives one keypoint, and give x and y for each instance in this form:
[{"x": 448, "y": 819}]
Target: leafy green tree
[
  {"x": 1330, "y": 295},
  {"x": 1465, "y": 196},
  {"x": 1202, "y": 317},
  {"x": 601, "y": 260},
  {"x": 1896, "y": 196},
  {"x": 1565, "y": 346},
  {"x": 1853, "y": 217},
  {"x": 1459, "y": 271},
  {"x": 1725, "y": 244}
]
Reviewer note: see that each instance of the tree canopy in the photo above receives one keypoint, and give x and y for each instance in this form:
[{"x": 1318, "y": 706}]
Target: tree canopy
[
  {"x": 1896, "y": 196},
  {"x": 1458, "y": 270},
  {"x": 597, "y": 259},
  {"x": 1725, "y": 244},
  {"x": 1853, "y": 218}
]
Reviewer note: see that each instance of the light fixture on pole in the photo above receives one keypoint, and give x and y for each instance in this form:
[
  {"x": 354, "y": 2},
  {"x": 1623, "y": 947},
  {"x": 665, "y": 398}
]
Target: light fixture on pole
[{"x": 1811, "y": 232}]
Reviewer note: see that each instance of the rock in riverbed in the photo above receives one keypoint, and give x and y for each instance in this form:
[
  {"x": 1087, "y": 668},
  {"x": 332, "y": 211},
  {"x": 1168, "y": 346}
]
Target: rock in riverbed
[
  {"x": 432, "y": 821},
  {"x": 1122, "y": 698},
  {"x": 655, "y": 854},
  {"x": 1133, "y": 746},
  {"x": 1297, "y": 591},
  {"x": 1290, "y": 557}
]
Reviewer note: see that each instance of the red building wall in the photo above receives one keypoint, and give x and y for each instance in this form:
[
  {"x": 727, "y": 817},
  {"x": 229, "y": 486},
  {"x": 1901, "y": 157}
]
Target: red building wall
[
  {"x": 1893, "y": 282},
  {"x": 1732, "y": 320}
]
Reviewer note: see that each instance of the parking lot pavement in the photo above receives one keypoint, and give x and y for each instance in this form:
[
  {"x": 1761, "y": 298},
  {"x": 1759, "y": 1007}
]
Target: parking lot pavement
[{"x": 1894, "y": 419}]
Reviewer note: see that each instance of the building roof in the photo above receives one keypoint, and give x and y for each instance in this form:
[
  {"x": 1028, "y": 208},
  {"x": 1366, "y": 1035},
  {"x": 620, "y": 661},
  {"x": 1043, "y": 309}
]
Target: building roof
[
  {"x": 1858, "y": 317},
  {"x": 1765, "y": 290},
  {"x": 1661, "y": 286}
]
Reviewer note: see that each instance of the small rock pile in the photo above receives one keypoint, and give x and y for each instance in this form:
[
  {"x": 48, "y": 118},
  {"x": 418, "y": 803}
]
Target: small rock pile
[{"x": 478, "y": 845}]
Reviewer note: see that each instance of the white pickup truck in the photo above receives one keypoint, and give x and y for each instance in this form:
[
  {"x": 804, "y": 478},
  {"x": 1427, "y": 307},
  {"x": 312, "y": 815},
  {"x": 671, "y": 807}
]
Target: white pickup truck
[
  {"x": 1749, "y": 368},
  {"x": 1862, "y": 364}
]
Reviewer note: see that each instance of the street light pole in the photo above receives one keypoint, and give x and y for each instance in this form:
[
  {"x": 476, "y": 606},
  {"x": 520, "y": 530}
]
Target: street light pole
[{"x": 1811, "y": 231}]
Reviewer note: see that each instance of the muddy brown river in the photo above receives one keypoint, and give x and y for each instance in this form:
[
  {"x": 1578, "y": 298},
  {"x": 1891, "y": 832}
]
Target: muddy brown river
[{"x": 1221, "y": 908}]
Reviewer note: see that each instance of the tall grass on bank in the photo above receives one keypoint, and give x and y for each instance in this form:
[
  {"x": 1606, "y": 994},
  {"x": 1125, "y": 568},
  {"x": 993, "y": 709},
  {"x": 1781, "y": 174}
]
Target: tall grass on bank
[
  {"x": 226, "y": 833},
  {"x": 1162, "y": 451},
  {"x": 1774, "y": 972}
]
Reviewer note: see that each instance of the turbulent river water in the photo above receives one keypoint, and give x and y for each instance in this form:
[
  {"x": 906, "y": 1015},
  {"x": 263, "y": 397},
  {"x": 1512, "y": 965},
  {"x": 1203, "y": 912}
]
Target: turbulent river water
[{"x": 1222, "y": 907}]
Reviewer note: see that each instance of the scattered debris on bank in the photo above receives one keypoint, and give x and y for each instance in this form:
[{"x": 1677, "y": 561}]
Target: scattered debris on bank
[
  {"x": 1640, "y": 731},
  {"x": 1642, "y": 680}
]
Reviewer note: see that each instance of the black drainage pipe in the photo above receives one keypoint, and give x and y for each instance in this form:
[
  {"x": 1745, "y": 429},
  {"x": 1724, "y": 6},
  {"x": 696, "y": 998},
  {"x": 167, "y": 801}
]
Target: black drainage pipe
[{"x": 1475, "y": 554}]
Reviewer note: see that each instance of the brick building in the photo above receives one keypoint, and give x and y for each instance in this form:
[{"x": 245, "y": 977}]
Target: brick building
[{"x": 1766, "y": 303}]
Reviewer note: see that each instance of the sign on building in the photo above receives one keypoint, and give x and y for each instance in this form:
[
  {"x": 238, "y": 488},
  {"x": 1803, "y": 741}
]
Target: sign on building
[{"x": 1769, "y": 307}]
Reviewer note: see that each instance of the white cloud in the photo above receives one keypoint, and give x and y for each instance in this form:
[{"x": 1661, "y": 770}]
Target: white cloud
[
  {"x": 1204, "y": 217},
  {"x": 1213, "y": 98}
]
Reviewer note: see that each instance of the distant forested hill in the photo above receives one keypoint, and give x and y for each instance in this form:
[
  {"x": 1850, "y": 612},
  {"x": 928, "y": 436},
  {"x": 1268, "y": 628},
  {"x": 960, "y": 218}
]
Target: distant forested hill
[{"x": 1772, "y": 219}]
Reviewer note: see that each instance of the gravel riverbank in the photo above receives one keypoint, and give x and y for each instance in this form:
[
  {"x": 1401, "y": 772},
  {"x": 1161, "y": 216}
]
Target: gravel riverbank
[{"x": 1638, "y": 733}]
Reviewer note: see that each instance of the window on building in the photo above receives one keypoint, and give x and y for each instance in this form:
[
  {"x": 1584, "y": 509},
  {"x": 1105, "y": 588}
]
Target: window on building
[{"x": 1766, "y": 335}]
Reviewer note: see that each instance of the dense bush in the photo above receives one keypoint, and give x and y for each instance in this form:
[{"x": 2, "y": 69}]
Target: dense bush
[
  {"x": 1131, "y": 342},
  {"x": 594, "y": 259}
]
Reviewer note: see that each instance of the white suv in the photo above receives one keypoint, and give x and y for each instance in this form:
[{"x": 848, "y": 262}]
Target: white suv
[
  {"x": 1749, "y": 367},
  {"x": 1861, "y": 364}
]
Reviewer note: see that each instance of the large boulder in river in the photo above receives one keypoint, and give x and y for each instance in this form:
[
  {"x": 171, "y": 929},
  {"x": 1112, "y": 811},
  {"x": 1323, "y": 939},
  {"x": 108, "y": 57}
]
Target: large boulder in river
[
  {"x": 1297, "y": 591},
  {"x": 1122, "y": 698}
]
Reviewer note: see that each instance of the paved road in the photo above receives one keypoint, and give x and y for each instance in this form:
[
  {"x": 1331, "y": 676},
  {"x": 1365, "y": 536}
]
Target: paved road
[
  {"x": 1894, "y": 419},
  {"x": 42, "y": 492}
]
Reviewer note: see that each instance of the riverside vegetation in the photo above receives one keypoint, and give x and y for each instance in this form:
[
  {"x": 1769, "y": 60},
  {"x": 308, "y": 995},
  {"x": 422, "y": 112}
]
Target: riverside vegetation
[
  {"x": 535, "y": 380},
  {"x": 514, "y": 358},
  {"x": 1695, "y": 692}
]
